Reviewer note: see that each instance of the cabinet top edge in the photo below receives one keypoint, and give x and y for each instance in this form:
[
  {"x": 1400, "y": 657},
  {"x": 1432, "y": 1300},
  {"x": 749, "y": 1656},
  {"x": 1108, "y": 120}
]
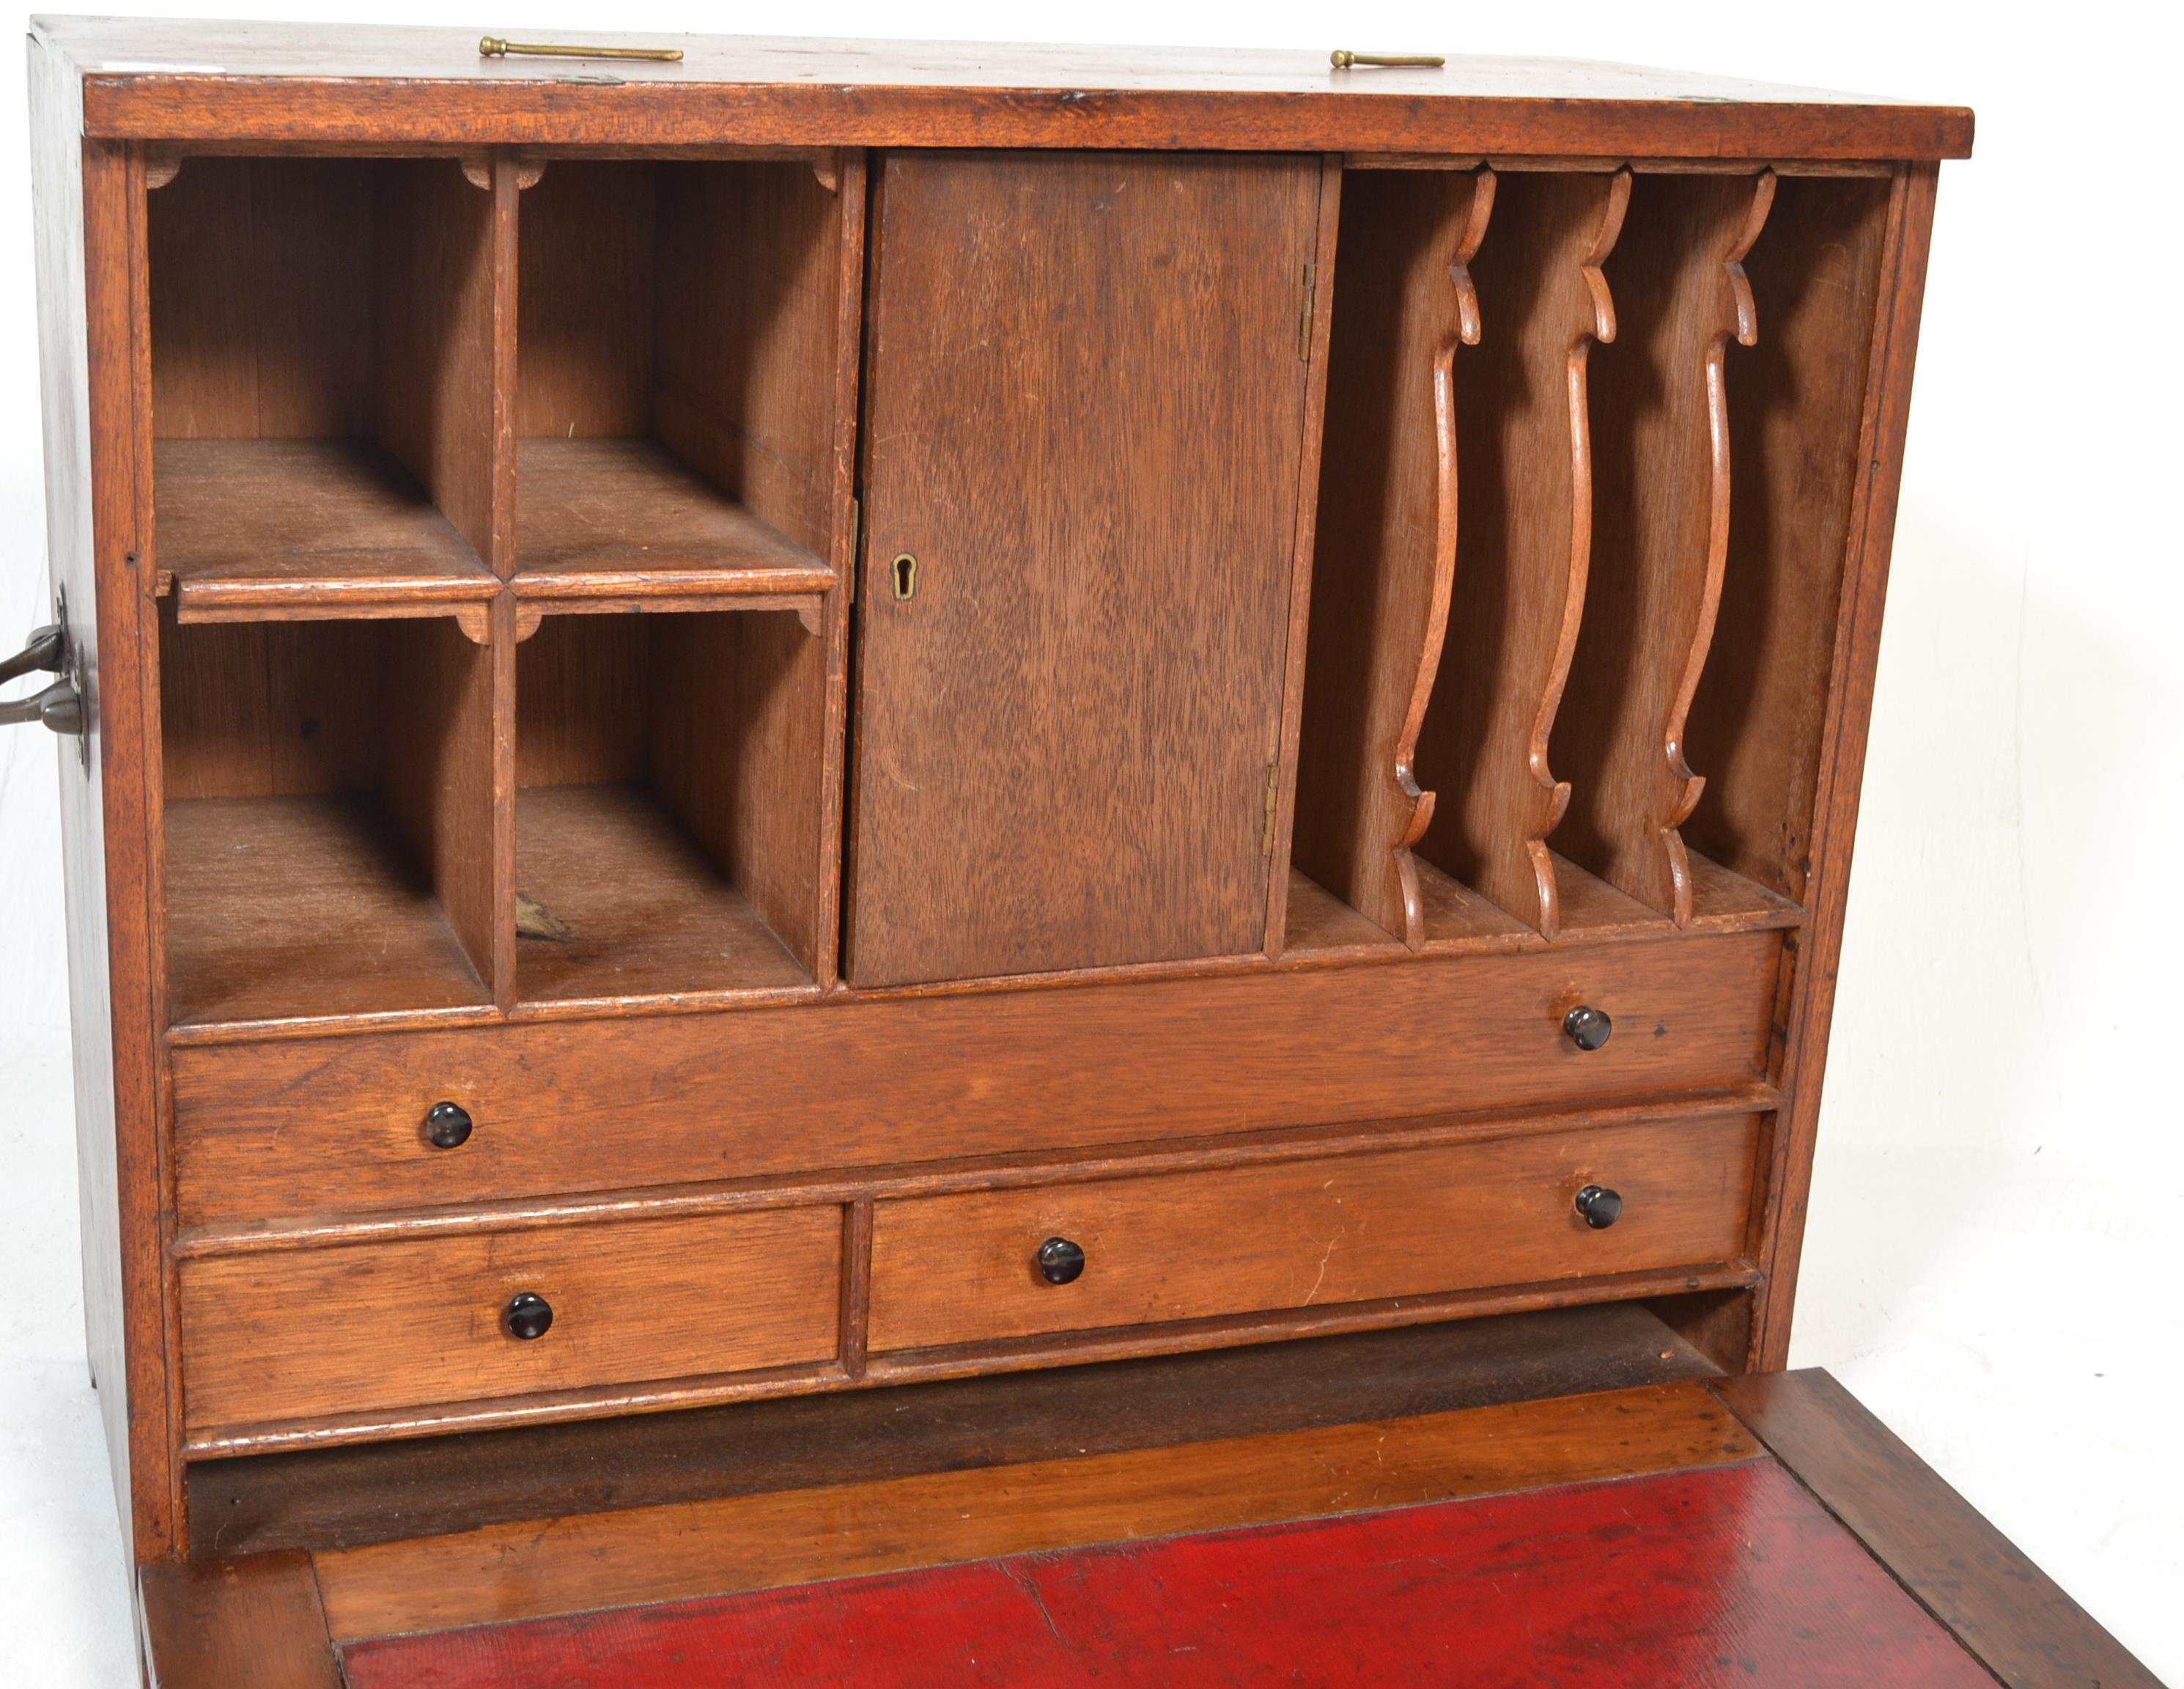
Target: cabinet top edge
[{"x": 159, "y": 79}]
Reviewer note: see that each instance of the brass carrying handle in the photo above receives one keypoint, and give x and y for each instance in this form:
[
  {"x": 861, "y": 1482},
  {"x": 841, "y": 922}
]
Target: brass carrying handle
[
  {"x": 60, "y": 705},
  {"x": 1342, "y": 58},
  {"x": 494, "y": 46}
]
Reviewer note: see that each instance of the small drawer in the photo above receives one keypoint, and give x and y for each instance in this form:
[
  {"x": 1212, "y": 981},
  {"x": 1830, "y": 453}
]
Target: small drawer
[
  {"x": 950, "y": 1270},
  {"x": 362, "y": 1327}
]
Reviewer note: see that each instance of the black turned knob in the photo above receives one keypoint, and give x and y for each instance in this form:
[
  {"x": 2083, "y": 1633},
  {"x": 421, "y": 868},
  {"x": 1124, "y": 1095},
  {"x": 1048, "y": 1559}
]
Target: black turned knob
[
  {"x": 1060, "y": 1261},
  {"x": 1587, "y": 1027},
  {"x": 447, "y": 1125},
  {"x": 1598, "y": 1206},
  {"x": 527, "y": 1316}
]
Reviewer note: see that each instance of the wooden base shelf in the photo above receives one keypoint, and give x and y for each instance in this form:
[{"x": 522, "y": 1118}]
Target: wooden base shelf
[
  {"x": 296, "y": 907},
  {"x": 602, "y": 521},
  {"x": 253, "y": 529},
  {"x": 1459, "y": 921},
  {"x": 646, "y": 913}
]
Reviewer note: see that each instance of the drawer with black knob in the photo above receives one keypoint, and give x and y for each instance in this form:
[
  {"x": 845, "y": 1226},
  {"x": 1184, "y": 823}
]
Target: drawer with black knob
[
  {"x": 337, "y": 1332},
  {"x": 1530, "y": 1207},
  {"x": 460, "y": 1116}
]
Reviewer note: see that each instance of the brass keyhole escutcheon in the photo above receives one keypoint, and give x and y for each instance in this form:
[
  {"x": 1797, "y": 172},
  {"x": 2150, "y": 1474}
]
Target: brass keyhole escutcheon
[{"x": 902, "y": 574}]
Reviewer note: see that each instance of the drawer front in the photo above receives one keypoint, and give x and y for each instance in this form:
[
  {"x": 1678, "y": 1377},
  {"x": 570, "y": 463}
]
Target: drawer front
[
  {"x": 296, "y": 1126},
  {"x": 951, "y": 1270},
  {"x": 335, "y": 1332}
]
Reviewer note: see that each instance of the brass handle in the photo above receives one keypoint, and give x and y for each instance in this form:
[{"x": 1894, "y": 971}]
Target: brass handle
[
  {"x": 494, "y": 46},
  {"x": 1342, "y": 58},
  {"x": 59, "y": 706}
]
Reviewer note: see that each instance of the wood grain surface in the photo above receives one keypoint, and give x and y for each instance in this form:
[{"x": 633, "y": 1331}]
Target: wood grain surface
[
  {"x": 383, "y": 1325},
  {"x": 1385, "y": 558},
  {"x": 665, "y": 921},
  {"x": 254, "y": 526},
  {"x": 965, "y": 1268},
  {"x": 1757, "y": 719},
  {"x": 90, "y": 246},
  {"x": 1065, "y": 742},
  {"x": 291, "y": 1126},
  {"x": 382, "y": 1493},
  {"x": 1661, "y": 501},
  {"x": 180, "y": 81},
  {"x": 665, "y": 1553},
  {"x": 1844, "y": 727},
  {"x": 438, "y": 303},
  {"x": 622, "y": 518},
  {"x": 1522, "y": 552},
  {"x": 296, "y": 905},
  {"x": 243, "y": 1624},
  {"x": 1968, "y": 1575}
]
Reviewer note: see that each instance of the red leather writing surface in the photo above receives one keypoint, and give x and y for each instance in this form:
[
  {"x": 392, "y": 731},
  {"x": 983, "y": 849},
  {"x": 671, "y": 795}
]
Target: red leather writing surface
[{"x": 1732, "y": 1575}]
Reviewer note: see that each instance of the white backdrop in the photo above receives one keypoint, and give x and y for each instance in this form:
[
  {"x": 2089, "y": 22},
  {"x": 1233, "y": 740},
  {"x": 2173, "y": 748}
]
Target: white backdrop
[{"x": 1990, "y": 1263}]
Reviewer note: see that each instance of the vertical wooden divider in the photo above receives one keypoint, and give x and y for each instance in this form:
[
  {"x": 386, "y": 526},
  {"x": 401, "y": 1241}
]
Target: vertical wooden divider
[
  {"x": 508, "y": 176},
  {"x": 1386, "y": 555},
  {"x": 1524, "y": 547},
  {"x": 1661, "y": 509},
  {"x": 433, "y": 353},
  {"x": 1280, "y": 837},
  {"x": 852, "y": 188}
]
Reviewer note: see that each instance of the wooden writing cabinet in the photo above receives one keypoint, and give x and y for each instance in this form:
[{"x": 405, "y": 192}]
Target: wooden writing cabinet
[{"x": 831, "y": 716}]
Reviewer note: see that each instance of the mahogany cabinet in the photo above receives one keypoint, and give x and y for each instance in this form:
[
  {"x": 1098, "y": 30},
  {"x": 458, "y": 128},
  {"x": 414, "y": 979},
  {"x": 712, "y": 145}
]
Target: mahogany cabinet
[{"x": 826, "y": 715}]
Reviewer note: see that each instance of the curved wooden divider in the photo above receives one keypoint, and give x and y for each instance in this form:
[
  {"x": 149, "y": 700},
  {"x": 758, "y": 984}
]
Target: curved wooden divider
[
  {"x": 1386, "y": 553},
  {"x": 1523, "y": 556},
  {"x": 1661, "y": 516}
]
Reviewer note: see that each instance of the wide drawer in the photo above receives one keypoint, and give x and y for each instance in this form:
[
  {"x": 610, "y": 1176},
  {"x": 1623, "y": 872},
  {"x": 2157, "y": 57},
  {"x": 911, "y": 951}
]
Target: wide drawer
[
  {"x": 340, "y": 1332},
  {"x": 950, "y": 1270},
  {"x": 299, "y": 1125}
]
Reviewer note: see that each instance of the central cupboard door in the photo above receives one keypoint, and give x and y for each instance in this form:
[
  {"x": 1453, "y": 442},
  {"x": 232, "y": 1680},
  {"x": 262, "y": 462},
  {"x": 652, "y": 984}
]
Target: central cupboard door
[{"x": 1084, "y": 420}]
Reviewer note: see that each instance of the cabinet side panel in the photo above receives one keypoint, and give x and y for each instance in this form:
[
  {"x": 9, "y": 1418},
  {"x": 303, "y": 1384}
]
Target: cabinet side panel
[
  {"x": 1813, "y": 952},
  {"x": 83, "y": 211}
]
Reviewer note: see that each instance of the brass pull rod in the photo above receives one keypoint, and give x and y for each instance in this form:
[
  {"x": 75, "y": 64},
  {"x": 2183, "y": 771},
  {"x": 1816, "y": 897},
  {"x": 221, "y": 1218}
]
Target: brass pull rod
[
  {"x": 492, "y": 47},
  {"x": 1342, "y": 58}
]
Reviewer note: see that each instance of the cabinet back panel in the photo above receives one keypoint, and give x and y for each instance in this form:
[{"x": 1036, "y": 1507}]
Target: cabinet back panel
[
  {"x": 581, "y": 696},
  {"x": 1084, "y": 420},
  {"x": 583, "y": 291},
  {"x": 1796, "y": 400},
  {"x": 261, "y": 273},
  {"x": 748, "y": 266},
  {"x": 269, "y": 708}
]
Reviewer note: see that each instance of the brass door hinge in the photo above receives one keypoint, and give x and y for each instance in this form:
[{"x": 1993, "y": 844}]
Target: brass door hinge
[
  {"x": 1304, "y": 313},
  {"x": 1273, "y": 803}
]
